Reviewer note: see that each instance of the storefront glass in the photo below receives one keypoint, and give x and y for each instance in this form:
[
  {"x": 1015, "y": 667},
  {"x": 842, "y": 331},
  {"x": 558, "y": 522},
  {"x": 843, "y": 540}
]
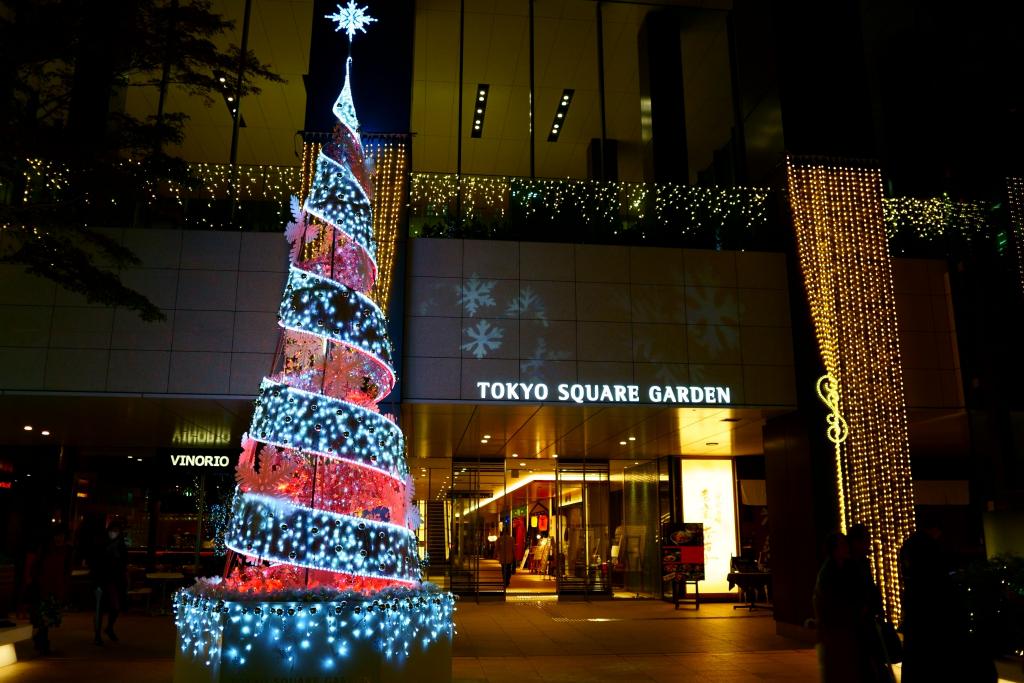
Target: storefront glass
[
  {"x": 583, "y": 540},
  {"x": 472, "y": 569},
  {"x": 646, "y": 507}
]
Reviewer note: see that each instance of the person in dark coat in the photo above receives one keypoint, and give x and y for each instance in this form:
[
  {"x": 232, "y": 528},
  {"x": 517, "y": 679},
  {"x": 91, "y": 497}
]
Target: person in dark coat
[
  {"x": 506, "y": 555},
  {"x": 835, "y": 611},
  {"x": 937, "y": 644},
  {"x": 840, "y": 608},
  {"x": 108, "y": 569},
  {"x": 873, "y": 658}
]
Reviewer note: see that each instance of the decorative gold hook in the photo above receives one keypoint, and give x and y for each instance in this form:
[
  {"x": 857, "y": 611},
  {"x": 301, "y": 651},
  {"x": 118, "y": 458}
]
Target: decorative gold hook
[{"x": 828, "y": 392}]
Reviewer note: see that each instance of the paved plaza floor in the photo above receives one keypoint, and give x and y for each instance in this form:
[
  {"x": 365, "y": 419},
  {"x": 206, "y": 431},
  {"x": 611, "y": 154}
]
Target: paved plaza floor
[{"x": 527, "y": 640}]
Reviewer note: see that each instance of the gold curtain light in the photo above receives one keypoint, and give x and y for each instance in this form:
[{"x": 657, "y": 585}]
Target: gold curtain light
[{"x": 844, "y": 259}]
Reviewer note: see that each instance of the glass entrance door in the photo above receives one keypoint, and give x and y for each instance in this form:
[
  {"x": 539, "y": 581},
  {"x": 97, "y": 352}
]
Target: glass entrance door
[
  {"x": 473, "y": 570},
  {"x": 583, "y": 538}
]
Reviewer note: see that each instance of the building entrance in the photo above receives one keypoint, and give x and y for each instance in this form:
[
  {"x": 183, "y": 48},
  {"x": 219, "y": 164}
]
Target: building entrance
[{"x": 555, "y": 514}]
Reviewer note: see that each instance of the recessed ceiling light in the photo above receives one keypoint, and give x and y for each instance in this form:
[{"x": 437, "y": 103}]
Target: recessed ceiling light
[
  {"x": 636, "y": 462},
  {"x": 483, "y": 440},
  {"x": 481, "y": 107},
  {"x": 487, "y": 436},
  {"x": 515, "y": 455},
  {"x": 632, "y": 438},
  {"x": 27, "y": 428},
  {"x": 554, "y": 455},
  {"x": 560, "y": 113},
  {"x": 522, "y": 464},
  {"x": 45, "y": 432},
  {"x": 622, "y": 443}
]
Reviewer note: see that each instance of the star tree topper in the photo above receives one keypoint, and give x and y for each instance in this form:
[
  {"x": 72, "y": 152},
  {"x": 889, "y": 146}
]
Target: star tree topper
[{"x": 351, "y": 18}]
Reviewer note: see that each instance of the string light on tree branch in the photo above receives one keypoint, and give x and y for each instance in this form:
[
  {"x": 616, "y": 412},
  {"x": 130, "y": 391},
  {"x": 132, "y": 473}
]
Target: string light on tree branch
[{"x": 324, "y": 575}]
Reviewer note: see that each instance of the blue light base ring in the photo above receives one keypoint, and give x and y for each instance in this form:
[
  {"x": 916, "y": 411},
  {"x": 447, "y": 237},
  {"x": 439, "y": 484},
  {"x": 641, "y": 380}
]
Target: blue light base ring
[{"x": 313, "y": 642}]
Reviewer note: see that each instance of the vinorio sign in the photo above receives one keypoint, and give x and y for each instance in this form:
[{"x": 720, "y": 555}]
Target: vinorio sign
[
  {"x": 184, "y": 460},
  {"x": 604, "y": 393}
]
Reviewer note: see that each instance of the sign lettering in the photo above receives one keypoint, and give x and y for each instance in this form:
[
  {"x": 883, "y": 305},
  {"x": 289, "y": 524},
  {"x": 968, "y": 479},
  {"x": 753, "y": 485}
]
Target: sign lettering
[
  {"x": 182, "y": 460},
  {"x": 605, "y": 393}
]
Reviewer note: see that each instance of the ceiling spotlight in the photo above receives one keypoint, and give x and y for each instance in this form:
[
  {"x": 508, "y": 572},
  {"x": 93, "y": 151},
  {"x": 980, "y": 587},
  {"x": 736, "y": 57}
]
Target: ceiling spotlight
[
  {"x": 45, "y": 432},
  {"x": 636, "y": 462},
  {"x": 522, "y": 464},
  {"x": 554, "y": 455},
  {"x": 515, "y": 455},
  {"x": 560, "y": 113},
  {"x": 632, "y": 438},
  {"x": 478, "y": 119},
  {"x": 487, "y": 436},
  {"x": 483, "y": 440},
  {"x": 27, "y": 428},
  {"x": 622, "y": 443}
]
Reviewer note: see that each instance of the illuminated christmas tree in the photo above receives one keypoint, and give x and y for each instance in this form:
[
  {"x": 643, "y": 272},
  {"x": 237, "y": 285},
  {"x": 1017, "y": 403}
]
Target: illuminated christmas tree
[{"x": 323, "y": 575}]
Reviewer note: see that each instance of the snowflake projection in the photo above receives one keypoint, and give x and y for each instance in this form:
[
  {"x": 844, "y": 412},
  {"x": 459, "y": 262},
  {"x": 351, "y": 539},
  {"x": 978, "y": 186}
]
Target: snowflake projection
[
  {"x": 527, "y": 304},
  {"x": 532, "y": 369},
  {"x": 666, "y": 375},
  {"x": 705, "y": 307},
  {"x": 476, "y": 294},
  {"x": 351, "y": 18},
  {"x": 484, "y": 338}
]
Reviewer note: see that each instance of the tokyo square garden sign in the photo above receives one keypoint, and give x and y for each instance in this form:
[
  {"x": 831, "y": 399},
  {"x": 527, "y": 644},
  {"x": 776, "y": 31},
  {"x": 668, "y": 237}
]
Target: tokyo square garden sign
[{"x": 537, "y": 392}]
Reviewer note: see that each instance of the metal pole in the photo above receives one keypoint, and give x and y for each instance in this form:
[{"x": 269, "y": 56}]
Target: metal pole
[
  {"x": 165, "y": 74},
  {"x": 201, "y": 508},
  {"x": 533, "y": 153},
  {"x": 461, "y": 87},
  {"x": 600, "y": 87},
  {"x": 238, "y": 109}
]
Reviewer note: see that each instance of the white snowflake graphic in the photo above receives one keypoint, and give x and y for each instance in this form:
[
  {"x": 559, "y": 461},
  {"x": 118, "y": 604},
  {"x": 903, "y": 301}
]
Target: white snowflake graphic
[
  {"x": 484, "y": 338},
  {"x": 351, "y": 18},
  {"x": 476, "y": 294},
  {"x": 533, "y": 368},
  {"x": 666, "y": 375},
  {"x": 719, "y": 331},
  {"x": 527, "y": 303}
]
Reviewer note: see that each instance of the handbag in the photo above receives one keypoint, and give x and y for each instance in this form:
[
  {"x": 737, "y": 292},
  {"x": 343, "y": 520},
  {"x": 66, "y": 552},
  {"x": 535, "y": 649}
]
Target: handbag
[{"x": 891, "y": 642}]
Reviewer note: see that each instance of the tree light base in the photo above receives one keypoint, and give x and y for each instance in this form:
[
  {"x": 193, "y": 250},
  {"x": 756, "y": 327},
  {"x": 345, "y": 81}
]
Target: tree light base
[{"x": 361, "y": 640}]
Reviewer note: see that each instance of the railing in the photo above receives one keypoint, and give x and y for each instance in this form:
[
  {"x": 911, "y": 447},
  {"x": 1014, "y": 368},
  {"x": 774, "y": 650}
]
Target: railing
[
  {"x": 665, "y": 214},
  {"x": 517, "y": 208},
  {"x": 582, "y": 211}
]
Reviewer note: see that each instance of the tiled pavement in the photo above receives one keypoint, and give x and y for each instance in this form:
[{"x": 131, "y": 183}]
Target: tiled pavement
[
  {"x": 618, "y": 641},
  {"x": 535, "y": 641}
]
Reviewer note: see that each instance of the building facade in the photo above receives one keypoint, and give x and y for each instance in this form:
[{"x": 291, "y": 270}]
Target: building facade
[{"x": 604, "y": 326}]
